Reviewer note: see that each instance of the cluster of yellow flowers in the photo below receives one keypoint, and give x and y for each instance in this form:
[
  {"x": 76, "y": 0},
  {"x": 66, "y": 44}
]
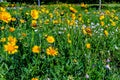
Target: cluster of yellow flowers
[
  {"x": 4, "y": 15},
  {"x": 50, "y": 50},
  {"x": 11, "y": 46},
  {"x": 34, "y": 15}
]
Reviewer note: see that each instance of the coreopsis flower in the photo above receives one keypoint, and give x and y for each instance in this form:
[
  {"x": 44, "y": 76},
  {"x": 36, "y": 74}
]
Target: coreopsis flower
[
  {"x": 34, "y": 14},
  {"x": 36, "y": 49},
  {"x": 13, "y": 19},
  {"x": 113, "y": 23},
  {"x": 83, "y": 5},
  {"x": 101, "y": 17},
  {"x": 50, "y": 39},
  {"x": 5, "y": 16},
  {"x": 68, "y": 38},
  {"x": 102, "y": 23},
  {"x": 34, "y": 79},
  {"x": 11, "y": 29},
  {"x": 34, "y": 23},
  {"x": 116, "y": 17},
  {"x": 73, "y": 10},
  {"x": 51, "y": 15},
  {"x": 107, "y": 12},
  {"x": 106, "y": 32},
  {"x": 55, "y": 21},
  {"x": 88, "y": 46},
  {"x": 2, "y": 9},
  {"x": 51, "y": 51},
  {"x": 22, "y": 21},
  {"x": 12, "y": 39},
  {"x": 47, "y": 21},
  {"x": 2, "y": 28},
  {"x": 73, "y": 16},
  {"x": 88, "y": 31},
  {"x": 24, "y": 34},
  {"x": 11, "y": 48},
  {"x": 3, "y": 40}
]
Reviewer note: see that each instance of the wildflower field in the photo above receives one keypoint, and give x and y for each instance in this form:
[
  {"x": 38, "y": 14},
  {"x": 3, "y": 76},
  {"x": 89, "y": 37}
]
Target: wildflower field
[{"x": 59, "y": 42}]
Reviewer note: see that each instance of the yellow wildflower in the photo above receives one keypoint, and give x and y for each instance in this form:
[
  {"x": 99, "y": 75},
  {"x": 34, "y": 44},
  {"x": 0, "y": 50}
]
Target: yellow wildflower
[
  {"x": 34, "y": 23},
  {"x": 101, "y": 17},
  {"x": 51, "y": 51},
  {"x": 13, "y": 19},
  {"x": 73, "y": 10},
  {"x": 50, "y": 39},
  {"x": 34, "y": 79},
  {"x": 34, "y": 14},
  {"x": 106, "y": 32},
  {"x": 5, "y": 16},
  {"x": 2, "y": 9},
  {"x": 36, "y": 49},
  {"x": 22, "y": 21},
  {"x": 11, "y": 39},
  {"x": 2, "y": 39},
  {"x": 102, "y": 23},
  {"x": 88, "y": 46},
  {"x": 2, "y": 28},
  {"x": 113, "y": 23},
  {"x": 11, "y": 29},
  {"x": 11, "y": 48}
]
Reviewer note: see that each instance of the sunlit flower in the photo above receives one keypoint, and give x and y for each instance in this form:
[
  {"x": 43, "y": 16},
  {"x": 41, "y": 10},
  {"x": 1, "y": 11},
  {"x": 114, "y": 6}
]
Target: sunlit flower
[
  {"x": 5, "y": 16},
  {"x": 34, "y": 79},
  {"x": 116, "y": 17},
  {"x": 55, "y": 21},
  {"x": 22, "y": 21},
  {"x": 24, "y": 34},
  {"x": 2, "y": 39},
  {"x": 13, "y": 19},
  {"x": 2, "y": 28},
  {"x": 88, "y": 46},
  {"x": 88, "y": 30},
  {"x": 51, "y": 15},
  {"x": 102, "y": 23},
  {"x": 83, "y": 5},
  {"x": 34, "y": 14},
  {"x": 113, "y": 23},
  {"x": 36, "y": 49},
  {"x": 34, "y": 23},
  {"x": 2, "y": 9},
  {"x": 11, "y": 29},
  {"x": 73, "y": 10},
  {"x": 52, "y": 51},
  {"x": 106, "y": 32},
  {"x": 11, "y": 48},
  {"x": 101, "y": 17},
  {"x": 46, "y": 21},
  {"x": 50, "y": 39},
  {"x": 12, "y": 39}
]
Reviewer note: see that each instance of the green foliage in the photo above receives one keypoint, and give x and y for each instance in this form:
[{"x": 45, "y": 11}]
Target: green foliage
[{"x": 74, "y": 61}]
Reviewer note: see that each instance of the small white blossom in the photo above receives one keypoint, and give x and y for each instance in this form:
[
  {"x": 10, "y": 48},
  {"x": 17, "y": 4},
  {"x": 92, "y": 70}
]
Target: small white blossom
[
  {"x": 87, "y": 76},
  {"x": 108, "y": 67}
]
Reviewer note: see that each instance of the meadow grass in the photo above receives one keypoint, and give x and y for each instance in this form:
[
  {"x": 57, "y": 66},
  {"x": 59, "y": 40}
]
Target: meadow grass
[{"x": 60, "y": 42}]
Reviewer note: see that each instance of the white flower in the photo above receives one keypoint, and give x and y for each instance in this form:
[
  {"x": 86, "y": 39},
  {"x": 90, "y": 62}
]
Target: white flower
[
  {"x": 87, "y": 76},
  {"x": 108, "y": 67}
]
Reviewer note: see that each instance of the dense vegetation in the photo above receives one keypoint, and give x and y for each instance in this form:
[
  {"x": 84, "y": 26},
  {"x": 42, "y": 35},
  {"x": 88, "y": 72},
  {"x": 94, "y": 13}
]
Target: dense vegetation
[{"x": 59, "y": 42}]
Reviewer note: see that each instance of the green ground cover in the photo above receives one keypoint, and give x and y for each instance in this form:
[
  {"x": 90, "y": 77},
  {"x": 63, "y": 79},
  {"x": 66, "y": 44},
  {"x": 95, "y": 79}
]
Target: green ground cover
[{"x": 59, "y": 42}]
